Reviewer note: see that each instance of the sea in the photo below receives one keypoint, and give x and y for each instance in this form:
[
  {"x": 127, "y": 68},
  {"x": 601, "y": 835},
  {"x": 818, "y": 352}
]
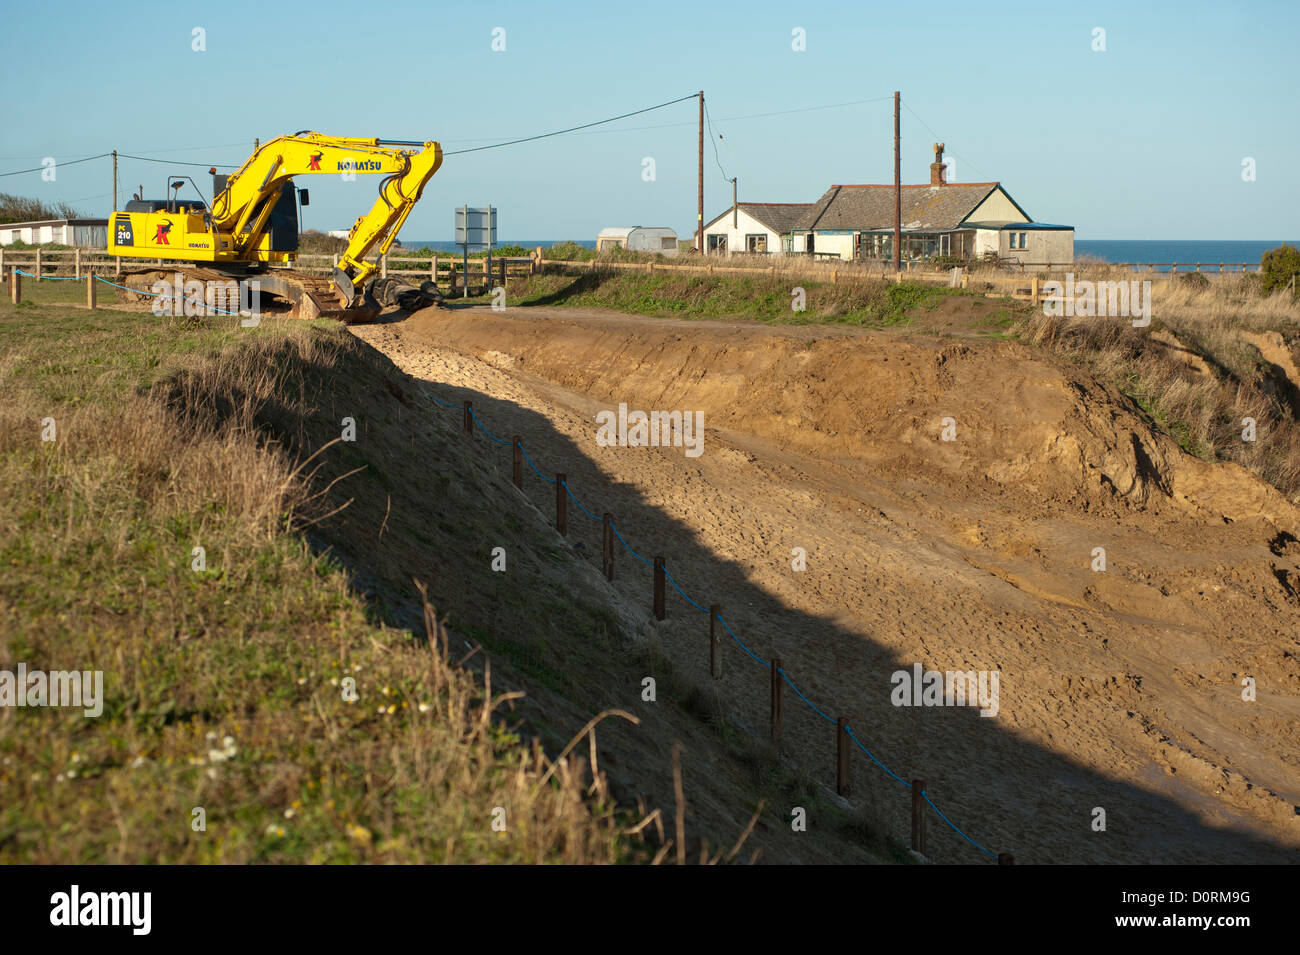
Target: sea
[{"x": 1177, "y": 250}]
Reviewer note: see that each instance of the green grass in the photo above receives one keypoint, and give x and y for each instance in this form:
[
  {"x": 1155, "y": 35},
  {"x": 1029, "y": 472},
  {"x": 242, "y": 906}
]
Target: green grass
[
  {"x": 763, "y": 298},
  {"x": 224, "y": 686}
]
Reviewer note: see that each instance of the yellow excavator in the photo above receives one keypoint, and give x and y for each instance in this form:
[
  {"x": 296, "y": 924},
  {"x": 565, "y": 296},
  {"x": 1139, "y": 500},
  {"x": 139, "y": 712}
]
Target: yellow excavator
[{"x": 252, "y": 220}]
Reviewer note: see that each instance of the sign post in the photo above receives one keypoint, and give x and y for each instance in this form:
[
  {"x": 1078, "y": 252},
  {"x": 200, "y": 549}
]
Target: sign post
[{"x": 476, "y": 230}]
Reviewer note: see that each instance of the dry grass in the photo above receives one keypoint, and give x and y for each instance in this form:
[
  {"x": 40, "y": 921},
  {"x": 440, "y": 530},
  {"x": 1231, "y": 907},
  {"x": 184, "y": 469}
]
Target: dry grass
[
  {"x": 1203, "y": 405},
  {"x": 224, "y": 687}
]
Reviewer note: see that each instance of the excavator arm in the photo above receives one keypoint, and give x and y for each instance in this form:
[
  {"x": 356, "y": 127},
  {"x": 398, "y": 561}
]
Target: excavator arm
[{"x": 243, "y": 209}]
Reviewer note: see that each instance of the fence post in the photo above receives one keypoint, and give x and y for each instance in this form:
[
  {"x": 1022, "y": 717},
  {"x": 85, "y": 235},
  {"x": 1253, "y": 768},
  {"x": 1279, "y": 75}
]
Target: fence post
[
  {"x": 503, "y": 273},
  {"x": 537, "y": 262},
  {"x": 519, "y": 464},
  {"x": 918, "y": 815},
  {"x": 469, "y": 418},
  {"x": 715, "y": 642},
  {"x": 38, "y": 263},
  {"x": 561, "y": 507},
  {"x": 15, "y": 285},
  {"x": 433, "y": 269},
  {"x": 1006, "y": 858},
  {"x": 1033, "y": 291},
  {"x": 660, "y": 612},
  {"x": 2, "y": 262},
  {"x": 778, "y": 716},
  {"x": 117, "y": 266},
  {"x": 76, "y": 263},
  {"x": 90, "y": 290},
  {"x": 451, "y": 276},
  {"x": 608, "y": 552},
  {"x": 336, "y": 260}
]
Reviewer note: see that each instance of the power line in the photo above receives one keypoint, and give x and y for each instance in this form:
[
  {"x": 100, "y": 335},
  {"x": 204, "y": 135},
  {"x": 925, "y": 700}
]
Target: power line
[
  {"x": 560, "y": 132},
  {"x": 177, "y": 162},
  {"x": 68, "y": 162},
  {"x": 724, "y": 119},
  {"x": 979, "y": 172},
  {"x": 712, "y": 133}
]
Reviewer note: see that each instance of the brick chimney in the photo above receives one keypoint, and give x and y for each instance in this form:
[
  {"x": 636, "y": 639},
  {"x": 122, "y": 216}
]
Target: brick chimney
[{"x": 937, "y": 168}]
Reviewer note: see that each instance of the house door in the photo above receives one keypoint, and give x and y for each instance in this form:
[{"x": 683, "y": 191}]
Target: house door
[{"x": 808, "y": 244}]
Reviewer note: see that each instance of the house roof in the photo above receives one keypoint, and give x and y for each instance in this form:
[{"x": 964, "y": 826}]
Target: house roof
[
  {"x": 35, "y": 222},
  {"x": 780, "y": 217},
  {"x": 1019, "y": 226},
  {"x": 925, "y": 208}
]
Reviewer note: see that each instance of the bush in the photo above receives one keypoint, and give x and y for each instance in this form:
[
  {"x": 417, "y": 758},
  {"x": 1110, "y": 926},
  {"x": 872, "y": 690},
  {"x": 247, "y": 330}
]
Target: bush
[
  {"x": 1192, "y": 280},
  {"x": 1278, "y": 268}
]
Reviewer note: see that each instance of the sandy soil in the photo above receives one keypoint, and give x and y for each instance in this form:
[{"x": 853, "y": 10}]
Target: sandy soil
[{"x": 1120, "y": 689}]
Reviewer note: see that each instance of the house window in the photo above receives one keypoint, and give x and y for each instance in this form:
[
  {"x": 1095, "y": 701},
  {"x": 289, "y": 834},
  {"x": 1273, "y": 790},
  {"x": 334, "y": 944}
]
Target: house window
[
  {"x": 756, "y": 243},
  {"x": 787, "y": 243},
  {"x": 716, "y": 243},
  {"x": 668, "y": 243},
  {"x": 1019, "y": 240}
]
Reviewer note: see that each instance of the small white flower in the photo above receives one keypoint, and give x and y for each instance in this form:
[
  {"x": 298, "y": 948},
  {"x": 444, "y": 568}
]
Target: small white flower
[
  {"x": 289, "y": 813},
  {"x": 425, "y": 707},
  {"x": 212, "y": 735}
]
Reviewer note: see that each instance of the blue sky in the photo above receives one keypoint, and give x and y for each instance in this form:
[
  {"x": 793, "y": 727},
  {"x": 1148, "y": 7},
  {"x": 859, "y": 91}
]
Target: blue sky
[{"x": 1144, "y": 140}]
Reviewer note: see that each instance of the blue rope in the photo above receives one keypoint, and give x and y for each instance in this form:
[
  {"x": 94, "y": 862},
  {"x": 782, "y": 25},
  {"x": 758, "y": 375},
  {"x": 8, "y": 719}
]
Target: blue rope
[
  {"x": 485, "y": 430},
  {"x": 955, "y": 829},
  {"x": 787, "y": 679},
  {"x": 445, "y": 404},
  {"x": 534, "y": 466},
  {"x": 682, "y": 592},
  {"x": 137, "y": 291},
  {"x": 742, "y": 645},
  {"x": 629, "y": 546},
  {"x": 849, "y": 730},
  {"x": 48, "y": 278},
  {"x": 565, "y": 485}
]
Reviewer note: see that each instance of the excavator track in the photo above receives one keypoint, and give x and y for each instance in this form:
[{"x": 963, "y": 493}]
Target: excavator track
[{"x": 306, "y": 296}]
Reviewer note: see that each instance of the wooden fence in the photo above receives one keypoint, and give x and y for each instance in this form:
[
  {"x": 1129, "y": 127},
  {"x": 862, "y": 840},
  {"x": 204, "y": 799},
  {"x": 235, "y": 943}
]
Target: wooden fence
[
  {"x": 448, "y": 271},
  {"x": 778, "y": 675}
]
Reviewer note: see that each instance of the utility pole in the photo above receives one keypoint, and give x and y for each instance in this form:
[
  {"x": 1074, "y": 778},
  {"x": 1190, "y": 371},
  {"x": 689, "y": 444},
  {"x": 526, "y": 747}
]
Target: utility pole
[
  {"x": 898, "y": 194},
  {"x": 735, "y": 215},
  {"x": 699, "y": 214},
  {"x": 114, "y": 181}
]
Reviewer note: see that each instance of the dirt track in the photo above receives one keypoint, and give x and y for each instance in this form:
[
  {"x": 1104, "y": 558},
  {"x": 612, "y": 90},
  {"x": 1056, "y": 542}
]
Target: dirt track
[{"x": 1118, "y": 689}]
